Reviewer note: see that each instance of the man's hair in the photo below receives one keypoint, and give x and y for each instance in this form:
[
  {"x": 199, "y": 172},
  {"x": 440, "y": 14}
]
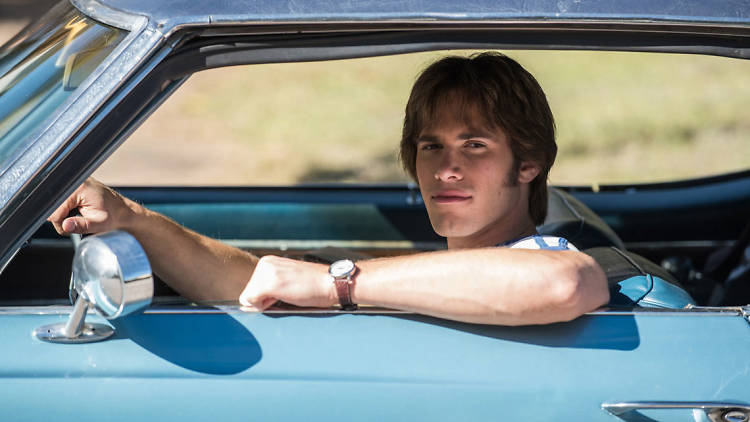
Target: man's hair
[{"x": 505, "y": 95}]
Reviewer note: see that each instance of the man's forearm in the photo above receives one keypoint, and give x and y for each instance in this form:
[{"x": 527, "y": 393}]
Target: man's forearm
[
  {"x": 196, "y": 266},
  {"x": 493, "y": 286}
]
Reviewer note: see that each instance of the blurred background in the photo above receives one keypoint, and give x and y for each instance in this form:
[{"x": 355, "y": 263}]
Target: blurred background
[{"x": 621, "y": 118}]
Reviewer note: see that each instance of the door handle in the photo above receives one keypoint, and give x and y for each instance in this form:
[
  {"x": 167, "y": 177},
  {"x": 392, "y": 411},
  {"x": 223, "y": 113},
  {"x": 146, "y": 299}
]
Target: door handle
[{"x": 714, "y": 411}]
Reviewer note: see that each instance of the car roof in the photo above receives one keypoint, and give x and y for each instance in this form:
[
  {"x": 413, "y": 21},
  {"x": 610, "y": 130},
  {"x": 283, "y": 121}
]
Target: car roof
[{"x": 170, "y": 13}]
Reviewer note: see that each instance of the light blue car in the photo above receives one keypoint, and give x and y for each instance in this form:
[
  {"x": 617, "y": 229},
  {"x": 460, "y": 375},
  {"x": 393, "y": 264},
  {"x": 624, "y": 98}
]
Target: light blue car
[{"x": 112, "y": 343}]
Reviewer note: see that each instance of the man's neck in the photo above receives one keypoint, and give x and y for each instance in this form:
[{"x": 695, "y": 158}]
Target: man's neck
[{"x": 494, "y": 235}]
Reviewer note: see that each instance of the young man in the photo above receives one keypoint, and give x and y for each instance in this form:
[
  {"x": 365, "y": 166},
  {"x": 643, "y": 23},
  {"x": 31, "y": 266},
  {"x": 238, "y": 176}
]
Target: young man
[{"x": 479, "y": 139}]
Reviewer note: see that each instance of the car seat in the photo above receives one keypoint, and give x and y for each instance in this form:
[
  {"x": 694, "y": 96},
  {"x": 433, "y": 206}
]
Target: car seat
[
  {"x": 570, "y": 218},
  {"x": 633, "y": 280}
]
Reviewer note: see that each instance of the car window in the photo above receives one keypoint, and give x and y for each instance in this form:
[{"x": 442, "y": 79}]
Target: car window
[
  {"x": 40, "y": 71},
  {"x": 621, "y": 118}
]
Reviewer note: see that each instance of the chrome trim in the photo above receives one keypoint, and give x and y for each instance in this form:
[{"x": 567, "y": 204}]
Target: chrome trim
[
  {"x": 440, "y": 9},
  {"x": 75, "y": 330},
  {"x": 256, "y": 24},
  {"x": 230, "y": 307},
  {"x": 235, "y": 309},
  {"x": 746, "y": 312},
  {"x": 689, "y": 311},
  {"x": 74, "y": 326},
  {"x": 89, "y": 333},
  {"x": 215, "y": 308},
  {"x": 480, "y": 23},
  {"x": 715, "y": 411},
  {"x": 110, "y": 16},
  {"x": 3, "y": 265},
  {"x": 614, "y": 25}
]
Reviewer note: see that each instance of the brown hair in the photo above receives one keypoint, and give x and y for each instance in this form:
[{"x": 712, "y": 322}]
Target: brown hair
[{"x": 506, "y": 96}]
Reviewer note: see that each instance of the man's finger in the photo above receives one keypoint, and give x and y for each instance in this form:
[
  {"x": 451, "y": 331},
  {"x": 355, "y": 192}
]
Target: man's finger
[
  {"x": 70, "y": 203},
  {"x": 62, "y": 211},
  {"x": 267, "y": 303},
  {"x": 262, "y": 304},
  {"x": 246, "y": 297},
  {"x": 57, "y": 226},
  {"x": 259, "y": 302}
]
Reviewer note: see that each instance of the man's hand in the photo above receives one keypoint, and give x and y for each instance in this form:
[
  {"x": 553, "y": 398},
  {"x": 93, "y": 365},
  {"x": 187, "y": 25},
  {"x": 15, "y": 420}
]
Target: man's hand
[
  {"x": 101, "y": 208},
  {"x": 295, "y": 282}
]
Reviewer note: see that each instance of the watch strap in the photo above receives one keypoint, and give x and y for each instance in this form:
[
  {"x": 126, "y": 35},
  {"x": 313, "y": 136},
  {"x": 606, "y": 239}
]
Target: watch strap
[{"x": 343, "y": 290}]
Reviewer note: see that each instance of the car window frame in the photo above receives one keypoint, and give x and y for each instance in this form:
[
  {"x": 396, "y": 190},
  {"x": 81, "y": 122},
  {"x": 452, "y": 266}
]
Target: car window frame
[{"x": 192, "y": 50}]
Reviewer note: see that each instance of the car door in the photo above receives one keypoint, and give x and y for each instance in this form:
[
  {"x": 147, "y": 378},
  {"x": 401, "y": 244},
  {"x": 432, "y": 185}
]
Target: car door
[{"x": 196, "y": 363}]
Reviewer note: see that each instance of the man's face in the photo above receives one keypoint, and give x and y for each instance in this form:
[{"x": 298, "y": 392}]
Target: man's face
[{"x": 467, "y": 179}]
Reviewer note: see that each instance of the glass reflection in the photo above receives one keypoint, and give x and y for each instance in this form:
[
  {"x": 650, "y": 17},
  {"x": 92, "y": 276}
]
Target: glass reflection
[{"x": 40, "y": 69}]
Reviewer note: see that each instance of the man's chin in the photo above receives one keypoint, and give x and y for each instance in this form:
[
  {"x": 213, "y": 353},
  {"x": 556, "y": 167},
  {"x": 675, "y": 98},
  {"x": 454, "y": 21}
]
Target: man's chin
[{"x": 452, "y": 229}]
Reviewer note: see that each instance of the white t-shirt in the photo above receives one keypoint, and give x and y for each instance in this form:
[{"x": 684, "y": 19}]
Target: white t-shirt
[{"x": 538, "y": 241}]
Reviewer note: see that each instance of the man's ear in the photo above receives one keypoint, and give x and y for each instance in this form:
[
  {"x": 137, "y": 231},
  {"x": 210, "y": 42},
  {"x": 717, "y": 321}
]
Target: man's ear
[{"x": 527, "y": 171}]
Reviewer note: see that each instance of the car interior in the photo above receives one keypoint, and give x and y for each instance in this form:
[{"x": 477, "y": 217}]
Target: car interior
[{"x": 320, "y": 223}]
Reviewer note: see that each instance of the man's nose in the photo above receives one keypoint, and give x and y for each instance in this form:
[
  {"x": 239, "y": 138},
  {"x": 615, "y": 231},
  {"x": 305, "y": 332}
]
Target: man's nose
[{"x": 450, "y": 167}]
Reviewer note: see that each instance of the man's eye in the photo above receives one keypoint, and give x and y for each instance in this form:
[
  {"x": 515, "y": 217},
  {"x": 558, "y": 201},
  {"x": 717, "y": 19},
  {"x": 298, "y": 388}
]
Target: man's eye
[
  {"x": 475, "y": 144},
  {"x": 428, "y": 147}
]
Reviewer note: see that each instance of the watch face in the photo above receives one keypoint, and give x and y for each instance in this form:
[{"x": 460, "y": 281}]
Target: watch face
[{"x": 341, "y": 268}]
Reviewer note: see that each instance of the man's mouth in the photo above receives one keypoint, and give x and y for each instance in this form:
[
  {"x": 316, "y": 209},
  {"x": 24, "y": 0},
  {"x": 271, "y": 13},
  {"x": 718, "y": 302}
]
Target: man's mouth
[{"x": 450, "y": 196}]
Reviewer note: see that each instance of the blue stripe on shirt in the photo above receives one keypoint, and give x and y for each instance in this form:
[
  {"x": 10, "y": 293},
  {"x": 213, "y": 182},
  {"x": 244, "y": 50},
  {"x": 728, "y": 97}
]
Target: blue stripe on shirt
[{"x": 562, "y": 244}]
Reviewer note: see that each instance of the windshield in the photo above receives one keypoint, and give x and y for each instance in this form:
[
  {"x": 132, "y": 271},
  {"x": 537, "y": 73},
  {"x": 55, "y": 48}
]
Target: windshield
[{"x": 40, "y": 70}]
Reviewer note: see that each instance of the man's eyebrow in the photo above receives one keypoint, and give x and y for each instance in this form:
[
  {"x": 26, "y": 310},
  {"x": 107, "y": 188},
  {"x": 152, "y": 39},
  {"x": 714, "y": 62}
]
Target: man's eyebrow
[
  {"x": 472, "y": 133},
  {"x": 428, "y": 138},
  {"x": 476, "y": 133}
]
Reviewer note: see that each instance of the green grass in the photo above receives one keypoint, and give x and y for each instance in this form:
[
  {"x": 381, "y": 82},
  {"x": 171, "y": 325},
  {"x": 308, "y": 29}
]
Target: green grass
[{"x": 621, "y": 117}]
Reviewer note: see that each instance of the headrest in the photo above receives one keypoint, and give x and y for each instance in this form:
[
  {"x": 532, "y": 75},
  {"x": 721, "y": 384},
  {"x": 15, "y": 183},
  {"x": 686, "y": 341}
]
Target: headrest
[{"x": 569, "y": 218}]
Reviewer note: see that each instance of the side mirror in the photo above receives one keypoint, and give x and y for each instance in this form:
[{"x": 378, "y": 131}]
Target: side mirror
[{"x": 111, "y": 273}]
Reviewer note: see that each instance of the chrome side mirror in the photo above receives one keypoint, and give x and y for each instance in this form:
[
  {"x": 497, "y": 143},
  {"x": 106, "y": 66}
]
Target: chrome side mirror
[{"x": 111, "y": 273}]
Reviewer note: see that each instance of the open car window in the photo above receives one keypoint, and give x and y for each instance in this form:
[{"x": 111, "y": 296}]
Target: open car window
[
  {"x": 622, "y": 119},
  {"x": 296, "y": 158}
]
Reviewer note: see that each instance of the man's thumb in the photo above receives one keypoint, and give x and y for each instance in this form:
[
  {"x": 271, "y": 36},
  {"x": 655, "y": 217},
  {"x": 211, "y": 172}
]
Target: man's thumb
[{"x": 75, "y": 225}]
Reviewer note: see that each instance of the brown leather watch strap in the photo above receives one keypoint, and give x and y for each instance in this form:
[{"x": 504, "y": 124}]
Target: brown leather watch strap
[
  {"x": 343, "y": 290},
  {"x": 343, "y": 272}
]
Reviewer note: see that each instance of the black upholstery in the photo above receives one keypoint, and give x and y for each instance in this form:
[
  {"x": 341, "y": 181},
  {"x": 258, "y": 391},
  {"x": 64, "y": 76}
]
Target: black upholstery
[
  {"x": 619, "y": 265},
  {"x": 569, "y": 218},
  {"x": 635, "y": 281}
]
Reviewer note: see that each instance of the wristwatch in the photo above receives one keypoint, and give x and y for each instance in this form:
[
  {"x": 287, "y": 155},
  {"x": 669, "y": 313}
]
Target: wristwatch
[{"x": 343, "y": 272}]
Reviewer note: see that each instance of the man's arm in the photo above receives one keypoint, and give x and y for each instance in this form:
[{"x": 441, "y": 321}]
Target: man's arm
[
  {"x": 196, "y": 266},
  {"x": 490, "y": 286}
]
